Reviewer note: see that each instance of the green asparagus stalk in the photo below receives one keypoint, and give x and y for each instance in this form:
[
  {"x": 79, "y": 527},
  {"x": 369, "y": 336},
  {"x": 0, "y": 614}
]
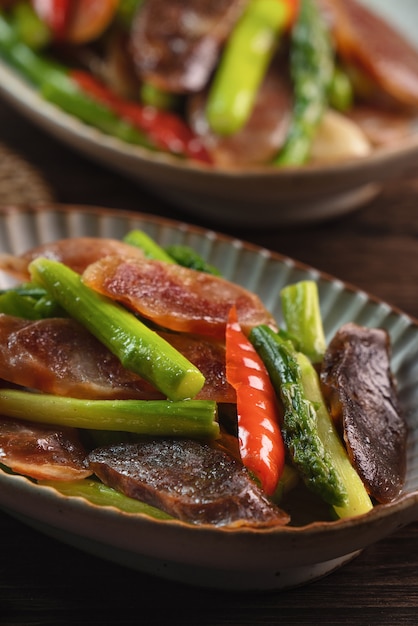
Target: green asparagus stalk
[
  {"x": 302, "y": 316},
  {"x": 186, "y": 418},
  {"x": 311, "y": 67},
  {"x": 358, "y": 500},
  {"x": 100, "y": 494},
  {"x": 300, "y": 431},
  {"x": 139, "y": 349},
  {"x": 243, "y": 65}
]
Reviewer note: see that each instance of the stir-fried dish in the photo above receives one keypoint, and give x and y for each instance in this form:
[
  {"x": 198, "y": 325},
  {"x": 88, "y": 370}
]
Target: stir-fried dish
[
  {"x": 224, "y": 84},
  {"x": 137, "y": 376}
]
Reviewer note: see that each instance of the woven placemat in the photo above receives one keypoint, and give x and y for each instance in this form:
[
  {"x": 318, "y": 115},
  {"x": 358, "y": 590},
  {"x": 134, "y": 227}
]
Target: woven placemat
[{"x": 20, "y": 182}]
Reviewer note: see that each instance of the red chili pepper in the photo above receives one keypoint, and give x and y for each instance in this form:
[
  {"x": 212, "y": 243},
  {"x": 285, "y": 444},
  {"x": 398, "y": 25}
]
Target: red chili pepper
[
  {"x": 260, "y": 439},
  {"x": 166, "y": 130},
  {"x": 56, "y": 15}
]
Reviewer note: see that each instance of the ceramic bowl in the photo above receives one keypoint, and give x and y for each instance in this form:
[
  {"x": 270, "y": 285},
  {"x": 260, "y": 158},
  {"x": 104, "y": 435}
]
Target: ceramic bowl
[{"x": 240, "y": 559}]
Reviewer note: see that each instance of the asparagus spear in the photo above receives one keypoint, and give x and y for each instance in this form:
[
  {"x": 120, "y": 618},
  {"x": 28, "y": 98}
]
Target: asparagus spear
[
  {"x": 358, "y": 500},
  {"x": 140, "y": 349},
  {"x": 302, "y": 316},
  {"x": 300, "y": 431},
  {"x": 312, "y": 67},
  {"x": 186, "y": 418},
  {"x": 246, "y": 57},
  {"x": 100, "y": 494}
]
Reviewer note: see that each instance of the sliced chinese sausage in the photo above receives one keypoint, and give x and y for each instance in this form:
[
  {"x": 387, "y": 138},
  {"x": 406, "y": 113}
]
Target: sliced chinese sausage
[
  {"x": 360, "y": 388},
  {"x": 383, "y": 127},
  {"x": 209, "y": 357},
  {"x": 175, "y": 297},
  {"x": 42, "y": 452},
  {"x": 59, "y": 356},
  {"x": 365, "y": 40},
  {"x": 175, "y": 45},
  {"x": 188, "y": 479},
  {"x": 75, "y": 252}
]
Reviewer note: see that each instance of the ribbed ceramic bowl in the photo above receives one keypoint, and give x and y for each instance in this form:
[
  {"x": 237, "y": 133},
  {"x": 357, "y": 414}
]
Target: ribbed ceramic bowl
[
  {"x": 202, "y": 555},
  {"x": 275, "y": 196}
]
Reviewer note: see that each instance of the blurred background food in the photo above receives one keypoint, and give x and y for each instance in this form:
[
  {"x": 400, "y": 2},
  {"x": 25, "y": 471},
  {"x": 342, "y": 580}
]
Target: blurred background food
[{"x": 230, "y": 84}]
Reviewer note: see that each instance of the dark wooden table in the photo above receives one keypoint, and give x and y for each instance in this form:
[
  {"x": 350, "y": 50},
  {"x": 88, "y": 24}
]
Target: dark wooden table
[{"x": 45, "y": 582}]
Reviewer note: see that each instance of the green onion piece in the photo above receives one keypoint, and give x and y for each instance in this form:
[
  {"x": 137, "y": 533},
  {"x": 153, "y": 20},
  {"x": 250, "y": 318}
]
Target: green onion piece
[{"x": 302, "y": 316}]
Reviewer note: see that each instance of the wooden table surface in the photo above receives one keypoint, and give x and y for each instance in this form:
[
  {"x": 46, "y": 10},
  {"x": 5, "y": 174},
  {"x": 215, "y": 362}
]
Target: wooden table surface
[{"x": 45, "y": 582}]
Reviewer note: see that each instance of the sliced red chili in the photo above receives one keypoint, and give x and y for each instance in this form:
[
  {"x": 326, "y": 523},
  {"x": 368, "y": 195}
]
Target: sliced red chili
[
  {"x": 260, "y": 439},
  {"x": 166, "y": 130}
]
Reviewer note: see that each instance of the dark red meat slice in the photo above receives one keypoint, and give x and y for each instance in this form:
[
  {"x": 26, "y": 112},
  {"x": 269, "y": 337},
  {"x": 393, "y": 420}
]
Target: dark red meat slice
[
  {"x": 175, "y": 45},
  {"x": 42, "y": 452},
  {"x": 59, "y": 356},
  {"x": 365, "y": 40},
  {"x": 188, "y": 479},
  {"x": 175, "y": 297},
  {"x": 358, "y": 382},
  {"x": 383, "y": 127},
  {"x": 209, "y": 358}
]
